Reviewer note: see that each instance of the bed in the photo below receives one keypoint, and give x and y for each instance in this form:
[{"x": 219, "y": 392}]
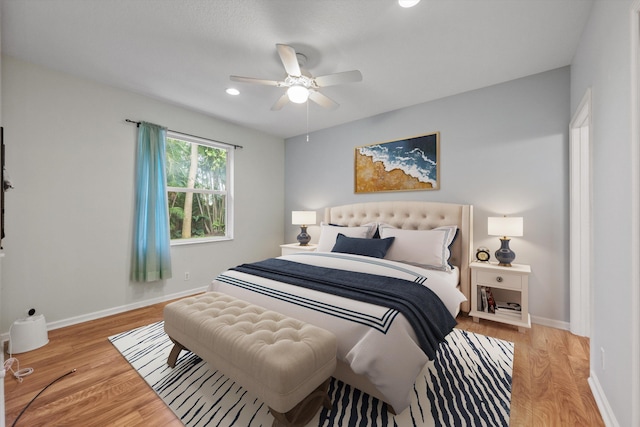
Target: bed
[{"x": 380, "y": 349}]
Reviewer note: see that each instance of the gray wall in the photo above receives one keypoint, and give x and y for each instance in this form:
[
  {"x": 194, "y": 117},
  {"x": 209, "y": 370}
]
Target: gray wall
[
  {"x": 602, "y": 62},
  {"x": 69, "y": 219},
  {"x": 504, "y": 149}
]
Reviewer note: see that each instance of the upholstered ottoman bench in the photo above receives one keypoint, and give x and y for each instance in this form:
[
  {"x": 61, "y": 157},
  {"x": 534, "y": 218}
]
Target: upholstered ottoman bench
[{"x": 283, "y": 361}]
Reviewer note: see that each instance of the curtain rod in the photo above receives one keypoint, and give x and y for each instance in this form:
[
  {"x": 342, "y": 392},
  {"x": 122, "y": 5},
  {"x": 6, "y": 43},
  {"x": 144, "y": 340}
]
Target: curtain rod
[{"x": 194, "y": 136}]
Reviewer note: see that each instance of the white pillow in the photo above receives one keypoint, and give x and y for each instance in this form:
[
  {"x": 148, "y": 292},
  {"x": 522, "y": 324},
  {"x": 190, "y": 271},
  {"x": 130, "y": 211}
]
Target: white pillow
[
  {"x": 329, "y": 234},
  {"x": 426, "y": 248}
]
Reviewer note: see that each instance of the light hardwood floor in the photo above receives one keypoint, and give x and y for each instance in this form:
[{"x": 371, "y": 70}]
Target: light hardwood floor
[{"x": 550, "y": 387}]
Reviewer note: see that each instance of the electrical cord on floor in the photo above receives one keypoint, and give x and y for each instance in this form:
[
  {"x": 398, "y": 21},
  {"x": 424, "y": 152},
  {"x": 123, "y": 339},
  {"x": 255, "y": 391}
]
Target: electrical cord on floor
[
  {"x": 8, "y": 366},
  {"x": 41, "y": 391}
]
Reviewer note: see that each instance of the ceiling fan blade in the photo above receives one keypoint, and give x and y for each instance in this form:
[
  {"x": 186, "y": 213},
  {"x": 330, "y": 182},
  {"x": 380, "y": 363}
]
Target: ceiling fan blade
[
  {"x": 289, "y": 59},
  {"x": 252, "y": 80},
  {"x": 280, "y": 102},
  {"x": 339, "y": 78},
  {"x": 323, "y": 100}
]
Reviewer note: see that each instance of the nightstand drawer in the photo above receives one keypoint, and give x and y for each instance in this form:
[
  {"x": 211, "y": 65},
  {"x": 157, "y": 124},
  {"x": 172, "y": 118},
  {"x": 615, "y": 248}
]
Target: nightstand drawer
[{"x": 500, "y": 279}]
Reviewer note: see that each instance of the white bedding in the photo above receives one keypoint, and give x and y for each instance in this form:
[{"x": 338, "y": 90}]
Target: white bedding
[{"x": 374, "y": 341}]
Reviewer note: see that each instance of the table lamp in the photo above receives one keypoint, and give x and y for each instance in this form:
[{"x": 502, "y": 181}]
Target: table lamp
[
  {"x": 303, "y": 218},
  {"x": 505, "y": 227}
]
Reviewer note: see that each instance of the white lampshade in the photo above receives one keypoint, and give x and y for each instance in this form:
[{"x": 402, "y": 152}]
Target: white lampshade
[
  {"x": 303, "y": 217},
  {"x": 298, "y": 94},
  {"x": 505, "y": 226}
]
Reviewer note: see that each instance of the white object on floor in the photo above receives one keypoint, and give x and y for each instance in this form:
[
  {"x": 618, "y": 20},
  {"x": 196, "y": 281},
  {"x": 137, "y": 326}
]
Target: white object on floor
[{"x": 28, "y": 334}]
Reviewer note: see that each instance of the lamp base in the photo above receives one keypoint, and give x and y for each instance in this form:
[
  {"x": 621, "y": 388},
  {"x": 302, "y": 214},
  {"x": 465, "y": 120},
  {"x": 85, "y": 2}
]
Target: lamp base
[
  {"x": 505, "y": 255},
  {"x": 303, "y": 237}
]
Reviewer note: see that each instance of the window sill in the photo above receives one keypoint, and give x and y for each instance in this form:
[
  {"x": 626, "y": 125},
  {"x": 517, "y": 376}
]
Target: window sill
[{"x": 183, "y": 242}]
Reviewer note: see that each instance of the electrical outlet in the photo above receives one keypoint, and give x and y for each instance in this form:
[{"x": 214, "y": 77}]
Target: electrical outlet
[
  {"x": 187, "y": 276},
  {"x": 602, "y": 357}
]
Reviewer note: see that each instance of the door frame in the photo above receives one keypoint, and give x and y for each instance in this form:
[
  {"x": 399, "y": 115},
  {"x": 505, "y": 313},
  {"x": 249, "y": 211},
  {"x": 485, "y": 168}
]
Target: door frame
[
  {"x": 635, "y": 210},
  {"x": 580, "y": 219}
]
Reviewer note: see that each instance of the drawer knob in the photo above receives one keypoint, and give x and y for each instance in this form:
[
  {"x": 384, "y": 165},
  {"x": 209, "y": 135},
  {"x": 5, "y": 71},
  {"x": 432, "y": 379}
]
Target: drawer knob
[{"x": 499, "y": 279}]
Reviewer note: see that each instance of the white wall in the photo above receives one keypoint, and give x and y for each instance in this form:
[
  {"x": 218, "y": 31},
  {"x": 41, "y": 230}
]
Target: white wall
[
  {"x": 69, "y": 219},
  {"x": 504, "y": 149},
  {"x": 2, "y": 373},
  {"x": 602, "y": 62}
]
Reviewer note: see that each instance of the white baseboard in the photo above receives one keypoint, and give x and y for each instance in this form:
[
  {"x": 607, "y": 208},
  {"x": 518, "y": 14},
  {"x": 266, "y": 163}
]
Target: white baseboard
[
  {"x": 606, "y": 412},
  {"x": 550, "y": 322},
  {"x": 111, "y": 311}
]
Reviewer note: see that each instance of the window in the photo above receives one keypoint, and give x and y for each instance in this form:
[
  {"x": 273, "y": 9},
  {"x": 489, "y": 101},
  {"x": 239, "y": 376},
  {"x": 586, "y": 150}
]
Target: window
[{"x": 199, "y": 185}]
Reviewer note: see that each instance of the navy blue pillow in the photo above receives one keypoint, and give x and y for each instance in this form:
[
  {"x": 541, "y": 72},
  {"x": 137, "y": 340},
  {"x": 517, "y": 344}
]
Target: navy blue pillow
[{"x": 376, "y": 248}]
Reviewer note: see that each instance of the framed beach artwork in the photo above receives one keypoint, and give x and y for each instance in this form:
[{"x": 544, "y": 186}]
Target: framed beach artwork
[{"x": 408, "y": 164}]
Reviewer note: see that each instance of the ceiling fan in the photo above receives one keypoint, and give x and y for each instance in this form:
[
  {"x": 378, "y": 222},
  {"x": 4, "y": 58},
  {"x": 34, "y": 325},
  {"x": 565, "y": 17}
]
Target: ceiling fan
[{"x": 300, "y": 84}]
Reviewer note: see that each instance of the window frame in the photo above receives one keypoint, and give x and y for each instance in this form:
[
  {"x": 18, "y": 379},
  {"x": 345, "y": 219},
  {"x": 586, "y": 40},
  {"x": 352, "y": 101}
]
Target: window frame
[{"x": 228, "y": 193}]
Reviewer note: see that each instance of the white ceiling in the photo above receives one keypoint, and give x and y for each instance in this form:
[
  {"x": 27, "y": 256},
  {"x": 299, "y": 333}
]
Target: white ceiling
[{"x": 183, "y": 51}]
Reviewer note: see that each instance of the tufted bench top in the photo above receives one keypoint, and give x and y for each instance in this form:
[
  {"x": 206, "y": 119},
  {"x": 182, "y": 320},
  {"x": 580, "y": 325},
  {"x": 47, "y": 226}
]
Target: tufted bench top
[{"x": 278, "y": 358}]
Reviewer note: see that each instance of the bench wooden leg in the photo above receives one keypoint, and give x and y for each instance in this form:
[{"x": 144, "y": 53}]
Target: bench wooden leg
[
  {"x": 175, "y": 352},
  {"x": 304, "y": 411}
]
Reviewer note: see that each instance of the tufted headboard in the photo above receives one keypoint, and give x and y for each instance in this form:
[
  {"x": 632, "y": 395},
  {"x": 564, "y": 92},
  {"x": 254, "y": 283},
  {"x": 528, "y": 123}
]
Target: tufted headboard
[{"x": 415, "y": 215}]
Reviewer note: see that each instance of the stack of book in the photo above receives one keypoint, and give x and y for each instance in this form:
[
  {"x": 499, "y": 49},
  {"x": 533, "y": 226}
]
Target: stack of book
[
  {"x": 487, "y": 303},
  {"x": 511, "y": 309}
]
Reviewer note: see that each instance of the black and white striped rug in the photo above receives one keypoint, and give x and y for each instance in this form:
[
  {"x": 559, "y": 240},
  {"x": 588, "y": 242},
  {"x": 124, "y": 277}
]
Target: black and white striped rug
[{"x": 469, "y": 384}]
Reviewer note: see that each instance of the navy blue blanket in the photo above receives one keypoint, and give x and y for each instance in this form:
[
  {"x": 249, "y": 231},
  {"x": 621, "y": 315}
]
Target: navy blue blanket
[{"x": 423, "y": 309}]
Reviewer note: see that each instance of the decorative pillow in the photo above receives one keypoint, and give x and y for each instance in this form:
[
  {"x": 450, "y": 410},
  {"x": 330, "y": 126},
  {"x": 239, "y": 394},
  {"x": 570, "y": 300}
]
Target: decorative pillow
[
  {"x": 426, "y": 248},
  {"x": 329, "y": 233},
  {"x": 376, "y": 248}
]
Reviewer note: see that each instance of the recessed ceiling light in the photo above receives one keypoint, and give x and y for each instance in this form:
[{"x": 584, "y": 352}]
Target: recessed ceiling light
[
  {"x": 233, "y": 91},
  {"x": 408, "y": 3}
]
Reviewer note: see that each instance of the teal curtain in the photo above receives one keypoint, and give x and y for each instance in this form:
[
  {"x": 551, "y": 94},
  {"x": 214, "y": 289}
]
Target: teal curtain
[{"x": 152, "y": 245}]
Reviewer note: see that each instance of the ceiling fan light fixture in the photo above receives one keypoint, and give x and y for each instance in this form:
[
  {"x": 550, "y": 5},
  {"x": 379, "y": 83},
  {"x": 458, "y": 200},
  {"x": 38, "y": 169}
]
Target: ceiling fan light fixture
[
  {"x": 298, "y": 94},
  {"x": 232, "y": 91},
  {"x": 299, "y": 85},
  {"x": 408, "y": 3}
]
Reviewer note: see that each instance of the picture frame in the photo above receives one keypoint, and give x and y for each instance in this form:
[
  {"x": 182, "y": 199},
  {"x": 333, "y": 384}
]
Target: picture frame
[{"x": 408, "y": 164}]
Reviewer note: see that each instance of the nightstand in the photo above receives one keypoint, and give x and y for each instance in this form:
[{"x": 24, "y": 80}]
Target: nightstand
[
  {"x": 509, "y": 287},
  {"x": 292, "y": 248}
]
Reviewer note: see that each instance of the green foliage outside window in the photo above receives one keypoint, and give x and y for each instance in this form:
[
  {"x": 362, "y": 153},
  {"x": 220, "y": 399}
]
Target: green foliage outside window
[{"x": 197, "y": 183}]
